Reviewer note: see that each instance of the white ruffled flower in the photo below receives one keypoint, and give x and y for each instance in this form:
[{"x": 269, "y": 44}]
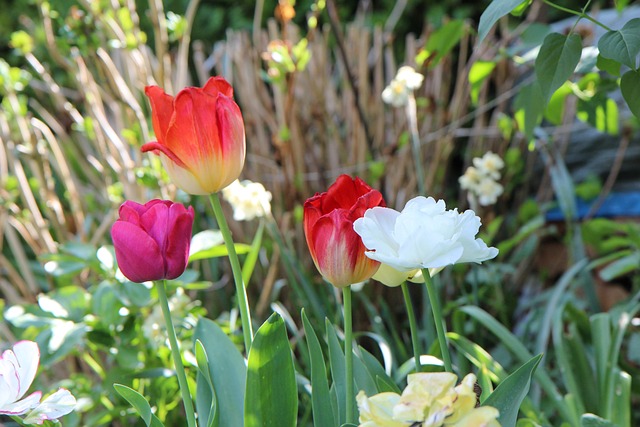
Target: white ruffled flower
[
  {"x": 424, "y": 235},
  {"x": 481, "y": 179},
  {"x": 249, "y": 200},
  {"x": 18, "y": 368},
  {"x": 406, "y": 81}
]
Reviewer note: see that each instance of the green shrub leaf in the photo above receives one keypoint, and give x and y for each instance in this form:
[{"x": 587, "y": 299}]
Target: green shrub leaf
[
  {"x": 630, "y": 87},
  {"x": 496, "y": 10},
  {"x": 558, "y": 57},
  {"x": 622, "y": 45}
]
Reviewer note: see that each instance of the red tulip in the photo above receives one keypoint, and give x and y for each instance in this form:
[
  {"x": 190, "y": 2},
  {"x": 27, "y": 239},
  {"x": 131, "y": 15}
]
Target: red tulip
[
  {"x": 200, "y": 135},
  {"x": 336, "y": 249},
  {"x": 152, "y": 240}
]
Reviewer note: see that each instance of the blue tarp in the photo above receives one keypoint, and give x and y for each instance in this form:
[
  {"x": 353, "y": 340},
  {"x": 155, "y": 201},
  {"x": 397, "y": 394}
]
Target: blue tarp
[{"x": 623, "y": 204}]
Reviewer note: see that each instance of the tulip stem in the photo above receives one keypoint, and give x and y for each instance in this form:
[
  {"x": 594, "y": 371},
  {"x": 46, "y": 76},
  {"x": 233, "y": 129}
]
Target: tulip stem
[
  {"x": 437, "y": 319},
  {"x": 175, "y": 352},
  {"x": 241, "y": 291},
  {"x": 413, "y": 326},
  {"x": 348, "y": 355}
]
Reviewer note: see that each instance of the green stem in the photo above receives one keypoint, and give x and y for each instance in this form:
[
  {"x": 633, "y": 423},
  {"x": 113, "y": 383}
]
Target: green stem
[
  {"x": 412, "y": 117},
  {"x": 413, "y": 326},
  {"x": 348, "y": 354},
  {"x": 241, "y": 291},
  {"x": 175, "y": 353},
  {"x": 575, "y": 12},
  {"x": 437, "y": 319}
]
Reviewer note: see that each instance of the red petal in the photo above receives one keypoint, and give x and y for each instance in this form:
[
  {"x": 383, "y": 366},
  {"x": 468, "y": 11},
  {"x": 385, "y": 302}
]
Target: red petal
[
  {"x": 216, "y": 85},
  {"x": 179, "y": 240},
  {"x": 231, "y": 137},
  {"x": 161, "y": 111}
]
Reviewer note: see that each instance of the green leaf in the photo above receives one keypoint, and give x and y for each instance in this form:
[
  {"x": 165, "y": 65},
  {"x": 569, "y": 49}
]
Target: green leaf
[
  {"x": 139, "y": 403},
  {"x": 496, "y": 10},
  {"x": 622, "y": 45},
  {"x": 271, "y": 394},
  {"x": 556, "y": 106},
  {"x": 443, "y": 40},
  {"x": 621, "y": 267},
  {"x": 478, "y": 73},
  {"x": 338, "y": 374},
  {"x": 630, "y": 88},
  {"x": 376, "y": 369},
  {"x": 529, "y": 108},
  {"x": 210, "y": 244},
  {"x": 228, "y": 372},
  {"x": 323, "y": 415},
  {"x": 252, "y": 256},
  {"x": 510, "y": 393},
  {"x": 591, "y": 420},
  {"x": 611, "y": 66},
  {"x": 206, "y": 399},
  {"x": 558, "y": 57}
]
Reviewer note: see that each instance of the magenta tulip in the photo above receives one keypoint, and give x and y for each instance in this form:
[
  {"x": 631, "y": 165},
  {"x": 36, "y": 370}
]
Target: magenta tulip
[{"x": 152, "y": 240}]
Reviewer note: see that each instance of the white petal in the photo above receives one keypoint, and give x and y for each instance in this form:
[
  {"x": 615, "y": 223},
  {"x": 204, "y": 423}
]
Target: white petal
[
  {"x": 58, "y": 404},
  {"x": 21, "y": 406},
  {"x": 18, "y": 368}
]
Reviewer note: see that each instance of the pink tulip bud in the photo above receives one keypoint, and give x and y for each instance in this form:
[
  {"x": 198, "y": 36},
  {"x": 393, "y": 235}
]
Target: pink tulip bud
[
  {"x": 152, "y": 240},
  {"x": 200, "y": 135},
  {"x": 336, "y": 249}
]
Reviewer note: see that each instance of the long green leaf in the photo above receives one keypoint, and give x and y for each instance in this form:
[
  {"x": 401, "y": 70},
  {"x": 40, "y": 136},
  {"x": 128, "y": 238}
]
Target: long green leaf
[
  {"x": 271, "y": 394},
  {"x": 510, "y": 393},
  {"x": 323, "y": 415},
  {"x": 558, "y": 57},
  {"x": 252, "y": 256},
  {"x": 228, "y": 373},
  {"x": 622, "y": 45},
  {"x": 496, "y": 10},
  {"x": 205, "y": 398},
  {"x": 139, "y": 403},
  {"x": 338, "y": 374}
]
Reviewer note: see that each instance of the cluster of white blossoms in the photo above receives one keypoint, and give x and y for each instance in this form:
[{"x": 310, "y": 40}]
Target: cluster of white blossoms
[
  {"x": 249, "y": 200},
  {"x": 404, "y": 83},
  {"x": 431, "y": 399},
  {"x": 18, "y": 368},
  {"x": 481, "y": 179}
]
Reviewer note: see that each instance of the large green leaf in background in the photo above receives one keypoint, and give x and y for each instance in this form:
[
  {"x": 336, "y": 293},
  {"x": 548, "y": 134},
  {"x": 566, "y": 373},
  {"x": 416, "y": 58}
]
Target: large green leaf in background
[
  {"x": 622, "y": 45},
  {"x": 227, "y": 372},
  {"x": 510, "y": 393},
  {"x": 496, "y": 10},
  {"x": 557, "y": 60},
  {"x": 271, "y": 395},
  {"x": 630, "y": 87}
]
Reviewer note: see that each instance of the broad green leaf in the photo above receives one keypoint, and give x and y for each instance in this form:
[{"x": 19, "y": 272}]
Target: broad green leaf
[
  {"x": 442, "y": 41},
  {"x": 338, "y": 374},
  {"x": 496, "y": 10},
  {"x": 622, "y": 45},
  {"x": 271, "y": 394},
  {"x": 529, "y": 108},
  {"x": 558, "y": 57},
  {"x": 376, "y": 369},
  {"x": 228, "y": 373},
  {"x": 323, "y": 415},
  {"x": 591, "y": 420},
  {"x": 630, "y": 88},
  {"x": 364, "y": 379},
  {"x": 510, "y": 393},
  {"x": 478, "y": 73},
  {"x": 611, "y": 66},
  {"x": 139, "y": 403},
  {"x": 621, "y": 411}
]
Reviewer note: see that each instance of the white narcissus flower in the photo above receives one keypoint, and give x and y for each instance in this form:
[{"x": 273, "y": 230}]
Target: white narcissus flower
[
  {"x": 249, "y": 200},
  {"x": 490, "y": 164},
  {"x": 424, "y": 235},
  {"x": 470, "y": 179},
  {"x": 403, "y": 84},
  {"x": 488, "y": 191},
  {"x": 18, "y": 368}
]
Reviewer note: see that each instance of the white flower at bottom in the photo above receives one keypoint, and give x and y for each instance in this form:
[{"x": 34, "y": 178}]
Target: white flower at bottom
[{"x": 424, "y": 235}]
